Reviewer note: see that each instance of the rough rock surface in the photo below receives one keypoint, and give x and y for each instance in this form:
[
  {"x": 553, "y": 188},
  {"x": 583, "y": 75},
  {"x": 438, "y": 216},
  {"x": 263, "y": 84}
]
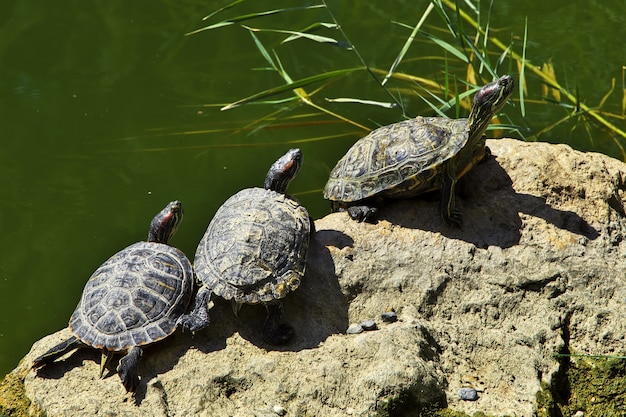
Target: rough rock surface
[{"x": 539, "y": 267}]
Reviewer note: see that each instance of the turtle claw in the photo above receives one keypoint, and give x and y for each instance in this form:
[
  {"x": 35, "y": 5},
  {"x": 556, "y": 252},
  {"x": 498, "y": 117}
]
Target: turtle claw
[
  {"x": 127, "y": 369},
  {"x": 363, "y": 213},
  {"x": 192, "y": 323}
]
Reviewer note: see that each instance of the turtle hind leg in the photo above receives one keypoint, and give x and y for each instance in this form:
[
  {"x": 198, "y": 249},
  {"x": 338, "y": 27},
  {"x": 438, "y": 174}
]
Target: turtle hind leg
[
  {"x": 198, "y": 318},
  {"x": 57, "y": 351},
  {"x": 127, "y": 369},
  {"x": 276, "y": 331},
  {"x": 363, "y": 213}
]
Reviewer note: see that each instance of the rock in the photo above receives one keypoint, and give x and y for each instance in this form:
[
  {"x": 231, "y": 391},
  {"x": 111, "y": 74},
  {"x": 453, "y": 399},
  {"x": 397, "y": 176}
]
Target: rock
[
  {"x": 279, "y": 410},
  {"x": 389, "y": 317},
  {"x": 369, "y": 325},
  {"x": 468, "y": 394},
  {"x": 537, "y": 268},
  {"x": 354, "y": 328}
]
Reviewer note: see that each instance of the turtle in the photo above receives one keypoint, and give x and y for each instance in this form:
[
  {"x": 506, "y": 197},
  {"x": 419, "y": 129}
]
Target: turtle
[
  {"x": 254, "y": 251},
  {"x": 415, "y": 156},
  {"x": 132, "y": 300}
]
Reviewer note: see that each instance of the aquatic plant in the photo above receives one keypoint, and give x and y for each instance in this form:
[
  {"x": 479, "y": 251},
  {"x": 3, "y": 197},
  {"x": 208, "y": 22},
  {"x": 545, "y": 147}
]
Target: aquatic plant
[{"x": 468, "y": 52}]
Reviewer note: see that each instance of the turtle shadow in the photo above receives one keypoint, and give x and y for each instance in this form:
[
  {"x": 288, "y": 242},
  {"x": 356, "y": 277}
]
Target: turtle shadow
[
  {"x": 222, "y": 325},
  {"x": 335, "y": 238},
  {"x": 158, "y": 358},
  {"x": 73, "y": 359},
  {"x": 486, "y": 187},
  {"x": 163, "y": 356},
  {"x": 316, "y": 310}
]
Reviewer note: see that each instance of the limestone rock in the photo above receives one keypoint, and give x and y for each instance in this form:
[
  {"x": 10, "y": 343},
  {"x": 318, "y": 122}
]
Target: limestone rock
[{"x": 538, "y": 267}]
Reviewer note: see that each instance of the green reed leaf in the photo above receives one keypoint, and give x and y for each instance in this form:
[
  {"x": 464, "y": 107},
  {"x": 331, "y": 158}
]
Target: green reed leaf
[
  {"x": 291, "y": 86},
  {"x": 407, "y": 44},
  {"x": 250, "y": 16},
  {"x": 448, "y": 48},
  {"x": 316, "y": 38}
]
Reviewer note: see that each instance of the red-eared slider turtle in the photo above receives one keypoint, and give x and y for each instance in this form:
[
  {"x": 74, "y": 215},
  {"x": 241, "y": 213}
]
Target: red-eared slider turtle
[
  {"x": 132, "y": 300},
  {"x": 254, "y": 250},
  {"x": 416, "y": 156}
]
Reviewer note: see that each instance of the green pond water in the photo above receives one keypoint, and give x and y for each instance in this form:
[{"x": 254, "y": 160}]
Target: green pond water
[{"x": 108, "y": 112}]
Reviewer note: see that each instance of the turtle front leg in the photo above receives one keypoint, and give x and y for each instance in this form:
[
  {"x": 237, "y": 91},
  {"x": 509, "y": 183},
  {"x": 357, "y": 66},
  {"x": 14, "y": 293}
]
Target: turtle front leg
[
  {"x": 275, "y": 330},
  {"x": 449, "y": 212},
  {"x": 57, "y": 351},
  {"x": 198, "y": 319},
  {"x": 359, "y": 213},
  {"x": 363, "y": 213},
  {"x": 127, "y": 369}
]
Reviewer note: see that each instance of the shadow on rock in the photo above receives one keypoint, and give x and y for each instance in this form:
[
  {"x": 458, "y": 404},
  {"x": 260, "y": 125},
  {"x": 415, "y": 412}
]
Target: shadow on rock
[
  {"x": 163, "y": 356},
  {"x": 491, "y": 210},
  {"x": 158, "y": 358},
  {"x": 316, "y": 310},
  {"x": 334, "y": 238},
  {"x": 58, "y": 368},
  {"x": 223, "y": 325}
]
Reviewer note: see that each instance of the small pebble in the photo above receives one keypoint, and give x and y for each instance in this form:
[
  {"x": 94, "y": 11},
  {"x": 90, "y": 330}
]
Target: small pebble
[
  {"x": 354, "y": 329},
  {"x": 468, "y": 394},
  {"x": 369, "y": 325},
  {"x": 280, "y": 410},
  {"x": 389, "y": 316}
]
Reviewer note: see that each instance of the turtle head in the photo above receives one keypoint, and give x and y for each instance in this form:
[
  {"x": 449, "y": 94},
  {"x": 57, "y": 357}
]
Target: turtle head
[
  {"x": 488, "y": 101},
  {"x": 283, "y": 171},
  {"x": 165, "y": 224}
]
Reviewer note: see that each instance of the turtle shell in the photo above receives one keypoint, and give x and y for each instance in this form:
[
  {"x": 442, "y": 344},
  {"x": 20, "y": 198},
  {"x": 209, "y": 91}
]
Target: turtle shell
[
  {"x": 134, "y": 298},
  {"x": 399, "y": 160},
  {"x": 254, "y": 249}
]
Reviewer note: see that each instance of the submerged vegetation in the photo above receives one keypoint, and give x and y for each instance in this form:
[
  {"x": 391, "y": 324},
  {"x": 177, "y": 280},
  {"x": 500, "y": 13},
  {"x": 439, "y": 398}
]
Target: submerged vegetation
[{"x": 463, "y": 50}]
